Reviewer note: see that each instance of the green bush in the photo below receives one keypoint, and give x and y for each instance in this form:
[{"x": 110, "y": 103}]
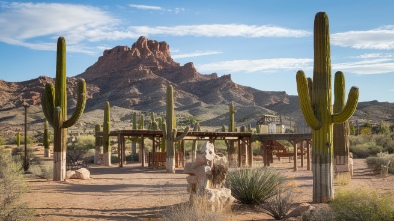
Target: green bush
[
  {"x": 365, "y": 150},
  {"x": 82, "y": 150},
  {"x": 363, "y": 205},
  {"x": 384, "y": 163},
  {"x": 254, "y": 185},
  {"x": 12, "y": 188}
]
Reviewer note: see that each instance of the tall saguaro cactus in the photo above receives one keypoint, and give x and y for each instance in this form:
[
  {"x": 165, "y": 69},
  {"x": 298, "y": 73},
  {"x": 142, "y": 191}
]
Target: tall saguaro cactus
[
  {"x": 54, "y": 106},
  {"x": 106, "y": 130},
  {"x": 341, "y": 131},
  {"x": 316, "y": 105},
  {"x": 170, "y": 131},
  {"x": 46, "y": 140}
]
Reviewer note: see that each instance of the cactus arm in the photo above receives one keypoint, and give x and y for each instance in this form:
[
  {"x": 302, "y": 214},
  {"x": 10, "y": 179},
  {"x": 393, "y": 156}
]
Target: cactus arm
[
  {"x": 349, "y": 108},
  {"x": 164, "y": 129},
  {"x": 305, "y": 101},
  {"x": 48, "y": 102},
  {"x": 180, "y": 137},
  {"x": 81, "y": 102}
]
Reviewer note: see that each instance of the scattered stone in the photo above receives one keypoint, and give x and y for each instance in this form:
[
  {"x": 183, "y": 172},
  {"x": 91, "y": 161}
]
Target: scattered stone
[
  {"x": 301, "y": 210},
  {"x": 70, "y": 174},
  {"x": 83, "y": 173}
]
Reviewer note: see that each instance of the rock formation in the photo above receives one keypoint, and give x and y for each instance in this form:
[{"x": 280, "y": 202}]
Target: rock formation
[{"x": 207, "y": 177}]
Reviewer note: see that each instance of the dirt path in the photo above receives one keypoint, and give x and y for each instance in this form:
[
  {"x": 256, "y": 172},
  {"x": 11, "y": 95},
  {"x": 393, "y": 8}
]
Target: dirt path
[{"x": 136, "y": 193}]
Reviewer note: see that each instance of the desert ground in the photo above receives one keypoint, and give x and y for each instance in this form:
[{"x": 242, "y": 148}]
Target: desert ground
[{"x": 141, "y": 193}]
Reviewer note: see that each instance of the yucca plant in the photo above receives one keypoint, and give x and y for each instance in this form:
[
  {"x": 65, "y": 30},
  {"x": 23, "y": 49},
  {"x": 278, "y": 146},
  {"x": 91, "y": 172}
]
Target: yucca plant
[{"x": 254, "y": 185}]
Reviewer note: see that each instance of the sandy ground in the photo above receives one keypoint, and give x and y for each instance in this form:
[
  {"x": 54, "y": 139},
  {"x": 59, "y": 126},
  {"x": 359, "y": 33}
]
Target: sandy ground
[{"x": 137, "y": 193}]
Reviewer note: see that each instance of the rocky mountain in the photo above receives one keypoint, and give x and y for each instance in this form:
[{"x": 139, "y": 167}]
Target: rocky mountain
[{"x": 135, "y": 79}]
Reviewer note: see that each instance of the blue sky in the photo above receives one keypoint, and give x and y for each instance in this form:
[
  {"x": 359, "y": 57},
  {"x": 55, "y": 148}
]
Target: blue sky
[{"x": 261, "y": 43}]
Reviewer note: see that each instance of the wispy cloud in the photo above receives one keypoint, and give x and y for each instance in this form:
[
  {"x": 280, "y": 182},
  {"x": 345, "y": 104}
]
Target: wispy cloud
[
  {"x": 23, "y": 23},
  {"x": 220, "y": 30},
  {"x": 369, "y": 66},
  {"x": 195, "y": 54},
  {"x": 37, "y": 25},
  {"x": 258, "y": 65},
  {"x": 146, "y": 7},
  {"x": 375, "y": 55},
  {"x": 381, "y": 38}
]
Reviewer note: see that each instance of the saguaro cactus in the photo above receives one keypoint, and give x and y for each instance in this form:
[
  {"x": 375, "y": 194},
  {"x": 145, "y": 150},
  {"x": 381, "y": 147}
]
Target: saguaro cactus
[
  {"x": 316, "y": 105},
  {"x": 341, "y": 142},
  {"x": 46, "y": 140},
  {"x": 106, "y": 130},
  {"x": 98, "y": 143},
  {"x": 170, "y": 131},
  {"x": 18, "y": 139},
  {"x": 54, "y": 106}
]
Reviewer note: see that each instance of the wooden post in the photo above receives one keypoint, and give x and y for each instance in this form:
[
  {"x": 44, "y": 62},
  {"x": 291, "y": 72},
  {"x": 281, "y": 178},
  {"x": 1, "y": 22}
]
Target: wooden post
[
  {"x": 263, "y": 147},
  {"x": 249, "y": 153},
  {"x": 294, "y": 142},
  {"x": 142, "y": 151},
  {"x": 120, "y": 155},
  {"x": 302, "y": 153},
  {"x": 308, "y": 155},
  {"x": 239, "y": 153}
]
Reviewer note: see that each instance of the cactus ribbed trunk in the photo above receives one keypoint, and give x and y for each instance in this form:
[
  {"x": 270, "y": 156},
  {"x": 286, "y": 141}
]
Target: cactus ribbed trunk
[
  {"x": 47, "y": 152},
  {"x": 54, "y": 106},
  {"x": 341, "y": 130},
  {"x": 18, "y": 139},
  {"x": 98, "y": 144},
  {"x": 106, "y": 129},
  {"x": 170, "y": 131},
  {"x": 316, "y": 105}
]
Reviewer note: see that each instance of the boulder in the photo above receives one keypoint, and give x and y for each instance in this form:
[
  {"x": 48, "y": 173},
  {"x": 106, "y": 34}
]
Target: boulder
[
  {"x": 83, "y": 173},
  {"x": 70, "y": 174}
]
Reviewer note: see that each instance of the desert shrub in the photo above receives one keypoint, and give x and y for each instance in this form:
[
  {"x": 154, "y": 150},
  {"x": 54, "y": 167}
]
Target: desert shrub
[
  {"x": 383, "y": 163},
  {"x": 342, "y": 179},
  {"x": 30, "y": 141},
  {"x": 198, "y": 210},
  {"x": 12, "y": 188},
  {"x": 19, "y": 154},
  {"x": 280, "y": 204},
  {"x": 42, "y": 170},
  {"x": 363, "y": 205},
  {"x": 365, "y": 150},
  {"x": 254, "y": 185},
  {"x": 361, "y": 139},
  {"x": 81, "y": 150},
  {"x": 1, "y": 141}
]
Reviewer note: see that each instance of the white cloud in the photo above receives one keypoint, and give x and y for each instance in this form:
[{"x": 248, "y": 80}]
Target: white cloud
[
  {"x": 372, "y": 66},
  {"x": 258, "y": 65},
  {"x": 381, "y": 38},
  {"x": 146, "y": 7},
  {"x": 375, "y": 55},
  {"x": 38, "y": 25},
  {"x": 195, "y": 54},
  {"x": 23, "y": 23},
  {"x": 220, "y": 30}
]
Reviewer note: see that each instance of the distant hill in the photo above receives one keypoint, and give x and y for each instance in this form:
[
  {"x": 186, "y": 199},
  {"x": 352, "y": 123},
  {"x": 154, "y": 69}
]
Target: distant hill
[{"x": 135, "y": 79}]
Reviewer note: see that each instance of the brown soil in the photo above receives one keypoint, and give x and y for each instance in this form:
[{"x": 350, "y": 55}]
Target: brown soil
[{"x": 137, "y": 193}]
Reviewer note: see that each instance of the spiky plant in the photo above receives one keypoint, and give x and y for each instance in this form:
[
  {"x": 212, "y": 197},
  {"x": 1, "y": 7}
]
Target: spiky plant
[
  {"x": 316, "y": 105},
  {"x": 106, "y": 130},
  {"x": 54, "y": 106},
  {"x": 170, "y": 131},
  {"x": 18, "y": 139}
]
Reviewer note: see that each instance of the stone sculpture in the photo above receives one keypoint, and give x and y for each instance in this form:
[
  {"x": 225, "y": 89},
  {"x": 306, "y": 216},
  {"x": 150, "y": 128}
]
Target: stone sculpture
[{"x": 207, "y": 177}]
